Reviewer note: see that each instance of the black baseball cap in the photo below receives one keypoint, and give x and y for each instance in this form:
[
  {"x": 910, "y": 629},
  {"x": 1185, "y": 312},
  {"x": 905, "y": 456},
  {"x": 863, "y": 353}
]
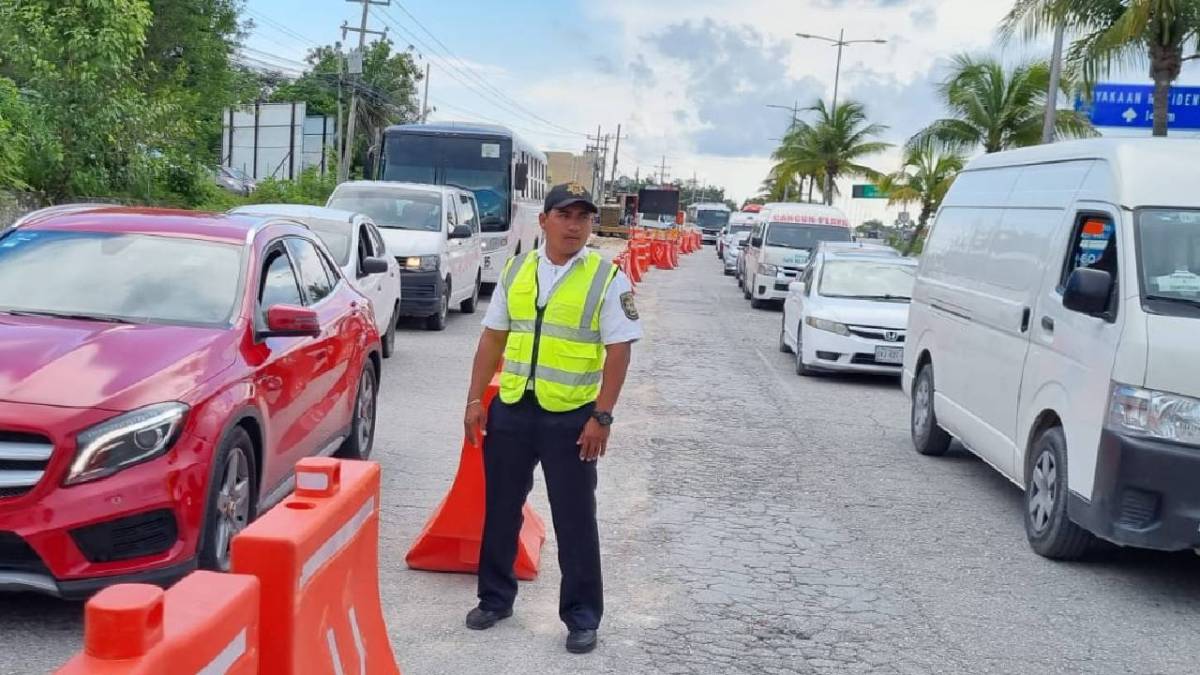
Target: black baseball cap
[{"x": 565, "y": 194}]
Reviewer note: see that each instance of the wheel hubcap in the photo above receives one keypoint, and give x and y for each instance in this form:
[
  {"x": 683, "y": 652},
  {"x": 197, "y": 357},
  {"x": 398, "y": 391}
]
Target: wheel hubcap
[
  {"x": 366, "y": 413},
  {"x": 921, "y": 405},
  {"x": 1041, "y": 491},
  {"x": 233, "y": 504}
]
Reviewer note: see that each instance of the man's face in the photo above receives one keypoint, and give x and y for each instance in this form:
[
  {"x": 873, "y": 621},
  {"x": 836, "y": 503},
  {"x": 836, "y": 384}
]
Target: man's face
[{"x": 567, "y": 229}]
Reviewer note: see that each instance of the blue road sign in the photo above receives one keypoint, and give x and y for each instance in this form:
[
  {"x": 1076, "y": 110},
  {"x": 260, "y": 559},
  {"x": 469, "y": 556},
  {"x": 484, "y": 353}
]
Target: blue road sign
[{"x": 1132, "y": 106}]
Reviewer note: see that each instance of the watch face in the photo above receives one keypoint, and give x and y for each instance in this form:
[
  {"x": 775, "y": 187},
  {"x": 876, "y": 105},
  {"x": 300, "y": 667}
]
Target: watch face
[{"x": 603, "y": 418}]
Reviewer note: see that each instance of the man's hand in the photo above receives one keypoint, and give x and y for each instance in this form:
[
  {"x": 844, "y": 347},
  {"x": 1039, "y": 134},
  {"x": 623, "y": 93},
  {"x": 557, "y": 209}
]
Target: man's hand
[
  {"x": 593, "y": 442},
  {"x": 475, "y": 423}
]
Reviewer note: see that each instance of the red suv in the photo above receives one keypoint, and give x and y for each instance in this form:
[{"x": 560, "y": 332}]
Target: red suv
[{"x": 160, "y": 374}]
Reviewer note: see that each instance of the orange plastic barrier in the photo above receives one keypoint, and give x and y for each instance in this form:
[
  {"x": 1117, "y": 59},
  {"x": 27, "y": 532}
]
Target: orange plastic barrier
[
  {"x": 451, "y": 538},
  {"x": 629, "y": 267},
  {"x": 316, "y": 556},
  {"x": 206, "y": 623}
]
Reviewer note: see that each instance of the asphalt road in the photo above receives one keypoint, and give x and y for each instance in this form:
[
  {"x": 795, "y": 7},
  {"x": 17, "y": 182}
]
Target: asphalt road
[{"x": 752, "y": 522}]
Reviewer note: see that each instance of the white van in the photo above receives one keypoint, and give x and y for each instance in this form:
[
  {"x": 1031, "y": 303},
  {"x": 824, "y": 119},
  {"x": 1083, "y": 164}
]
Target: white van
[
  {"x": 710, "y": 218},
  {"x": 781, "y": 243},
  {"x": 433, "y": 231},
  {"x": 1055, "y": 331}
]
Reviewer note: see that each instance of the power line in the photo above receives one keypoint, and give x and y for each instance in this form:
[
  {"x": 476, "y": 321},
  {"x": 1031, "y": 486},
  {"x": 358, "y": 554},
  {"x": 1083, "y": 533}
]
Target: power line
[
  {"x": 482, "y": 81},
  {"x": 282, "y": 28}
]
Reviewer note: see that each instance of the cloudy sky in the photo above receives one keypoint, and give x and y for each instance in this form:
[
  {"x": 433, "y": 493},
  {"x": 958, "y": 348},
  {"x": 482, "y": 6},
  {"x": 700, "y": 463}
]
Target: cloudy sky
[{"x": 689, "y": 79}]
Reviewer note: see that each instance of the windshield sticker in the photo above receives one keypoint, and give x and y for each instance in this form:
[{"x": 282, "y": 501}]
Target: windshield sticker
[{"x": 490, "y": 150}]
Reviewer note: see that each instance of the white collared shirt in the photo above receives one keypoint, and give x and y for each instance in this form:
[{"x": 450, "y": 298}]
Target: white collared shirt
[{"x": 615, "y": 326}]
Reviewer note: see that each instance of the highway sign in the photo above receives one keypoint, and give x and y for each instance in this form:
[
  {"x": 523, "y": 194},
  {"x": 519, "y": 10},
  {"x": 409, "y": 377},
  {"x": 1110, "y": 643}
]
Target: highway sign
[
  {"x": 867, "y": 192},
  {"x": 1132, "y": 106}
]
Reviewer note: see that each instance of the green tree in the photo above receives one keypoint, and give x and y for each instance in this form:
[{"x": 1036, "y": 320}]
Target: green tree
[
  {"x": 1118, "y": 33},
  {"x": 924, "y": 178},
  {"x": 77, "y": 57},
  {"x": 832, "y": 146},
  {"x": 997, "y": 108}
]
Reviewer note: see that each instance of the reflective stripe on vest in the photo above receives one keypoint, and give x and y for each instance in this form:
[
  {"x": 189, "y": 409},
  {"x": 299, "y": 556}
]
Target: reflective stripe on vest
[{"x": 567, "y": 346}]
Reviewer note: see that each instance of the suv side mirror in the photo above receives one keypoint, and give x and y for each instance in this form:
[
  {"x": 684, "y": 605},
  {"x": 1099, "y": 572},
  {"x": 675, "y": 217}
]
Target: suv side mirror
[
  {"x": 521, "y": 180},
  {"x": 291, "y": 321},
  {"x": 461, "y": 232},
  {"x": 1088, "y": 291},
  {"x": 374, "y": 266},
  {"x": 756, "y": 242}
]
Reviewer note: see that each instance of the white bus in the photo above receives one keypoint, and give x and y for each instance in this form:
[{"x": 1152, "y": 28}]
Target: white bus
[
  {"x": 710, "y": 218},
  {"x": 507, "y": 175}
]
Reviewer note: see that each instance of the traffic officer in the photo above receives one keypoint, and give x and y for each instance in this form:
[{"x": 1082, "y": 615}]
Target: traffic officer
[{"x": 564, "y": 321}]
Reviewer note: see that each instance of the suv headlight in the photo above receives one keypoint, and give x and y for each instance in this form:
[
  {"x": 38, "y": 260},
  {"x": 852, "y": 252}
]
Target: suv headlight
[
  {"x": 827, "y": 325},
  {"x": 421, "y": 263},
  {"x": 125, "y": 440},
  {"x": 494, "y": 244},
  {"x": 770, "y": 270},
  {"x": 1154, "y": 414}
]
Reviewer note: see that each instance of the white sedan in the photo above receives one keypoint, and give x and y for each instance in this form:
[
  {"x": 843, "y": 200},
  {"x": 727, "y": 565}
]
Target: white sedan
[
  {"x": 357, "y": 248},
  {"x": 849, "y": 313}
]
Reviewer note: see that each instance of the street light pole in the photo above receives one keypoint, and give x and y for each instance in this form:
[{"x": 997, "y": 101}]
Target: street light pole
[{"x": 840, "y": 43}]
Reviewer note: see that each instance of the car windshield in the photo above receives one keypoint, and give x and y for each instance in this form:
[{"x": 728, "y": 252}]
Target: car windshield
[
  {"x": 711, "y": 218},
  {"x": 478, "y": 164},
  {"x": 393, "y": 208},
  {"x": 795, "y": 235},
  {"x": 738, "y": 229},
  {"x": 1169, "y": 247},
  {"x": 874, "y": 280},
  {"x": 132, "y": 277}
]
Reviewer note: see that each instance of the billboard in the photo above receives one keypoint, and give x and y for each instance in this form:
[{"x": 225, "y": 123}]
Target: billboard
[{"x": 658, "y": 202}]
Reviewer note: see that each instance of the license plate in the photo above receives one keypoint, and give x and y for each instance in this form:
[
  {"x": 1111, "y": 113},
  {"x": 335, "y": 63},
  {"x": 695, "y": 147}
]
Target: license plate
[
  {"x": 487, "y": 263},
  {"x": 889, "y": 355}
]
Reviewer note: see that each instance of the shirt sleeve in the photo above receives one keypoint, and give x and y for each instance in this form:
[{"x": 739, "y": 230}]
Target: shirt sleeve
[
  {"x": 496, "y": 317},
  {"x": 616, "y": 326}
]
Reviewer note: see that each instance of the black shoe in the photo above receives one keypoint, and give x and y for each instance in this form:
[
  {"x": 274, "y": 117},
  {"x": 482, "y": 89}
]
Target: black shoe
[
  {"x": 483, "y": 619},
  {"x": 581, "y": 641}
]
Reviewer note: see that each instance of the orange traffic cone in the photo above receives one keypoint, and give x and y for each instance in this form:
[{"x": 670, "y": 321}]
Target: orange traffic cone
[{"x": 451, "y": 538}]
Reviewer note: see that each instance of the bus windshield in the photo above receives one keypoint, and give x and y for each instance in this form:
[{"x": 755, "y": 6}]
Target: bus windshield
[
  {"x": 712, "y": 218},
  {"x": 478, "y": 164}
]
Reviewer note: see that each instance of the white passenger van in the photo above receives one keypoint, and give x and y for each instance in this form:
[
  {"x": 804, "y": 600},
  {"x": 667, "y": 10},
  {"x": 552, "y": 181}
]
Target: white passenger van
[
  {"x": 1055, "y": 331},
  {"x": 781, "y": 243}
]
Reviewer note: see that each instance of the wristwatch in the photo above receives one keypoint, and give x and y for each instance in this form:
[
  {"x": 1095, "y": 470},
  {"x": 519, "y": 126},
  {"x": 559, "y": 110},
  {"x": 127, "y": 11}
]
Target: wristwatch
[{"x": 604, "y": 418}]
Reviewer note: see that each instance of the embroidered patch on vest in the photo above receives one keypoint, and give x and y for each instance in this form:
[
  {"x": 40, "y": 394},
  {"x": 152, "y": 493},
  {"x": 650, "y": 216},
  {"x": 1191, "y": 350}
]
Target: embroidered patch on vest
[{"x": 628, "y": 307}]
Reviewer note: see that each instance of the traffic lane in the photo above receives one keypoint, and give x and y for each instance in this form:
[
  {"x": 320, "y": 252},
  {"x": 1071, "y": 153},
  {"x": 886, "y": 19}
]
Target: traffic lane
[
  {"x": 951, "y": 528},
  {"x": 39, "y": 633}
]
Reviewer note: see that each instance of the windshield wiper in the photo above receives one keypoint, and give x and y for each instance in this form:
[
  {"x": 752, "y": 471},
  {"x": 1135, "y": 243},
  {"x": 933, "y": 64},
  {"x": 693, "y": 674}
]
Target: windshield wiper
[
  {"x": 799, "y": 248},
  {"x": 66, "y": 315},
  {"x": 1195, "y": 302},
  {"x": 883, "y": 297}
]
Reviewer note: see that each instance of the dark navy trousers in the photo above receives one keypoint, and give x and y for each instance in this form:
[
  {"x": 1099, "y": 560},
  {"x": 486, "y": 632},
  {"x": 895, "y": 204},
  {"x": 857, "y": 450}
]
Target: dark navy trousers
[{"x": 518, "y": 437}]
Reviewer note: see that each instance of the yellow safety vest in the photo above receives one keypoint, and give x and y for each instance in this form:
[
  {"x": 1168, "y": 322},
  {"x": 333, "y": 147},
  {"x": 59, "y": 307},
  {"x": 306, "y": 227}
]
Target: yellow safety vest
[{"x": 562, "y": 338}]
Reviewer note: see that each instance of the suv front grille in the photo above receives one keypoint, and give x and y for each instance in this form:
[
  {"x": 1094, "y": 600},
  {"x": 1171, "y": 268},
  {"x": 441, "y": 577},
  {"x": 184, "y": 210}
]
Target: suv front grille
[
  {"x": 18, "y": 556},
  {"x": 23, "y": 460}
]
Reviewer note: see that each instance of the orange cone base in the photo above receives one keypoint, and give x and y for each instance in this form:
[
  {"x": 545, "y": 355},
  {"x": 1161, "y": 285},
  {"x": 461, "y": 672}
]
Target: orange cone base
[{"x": 437, "y": 551}]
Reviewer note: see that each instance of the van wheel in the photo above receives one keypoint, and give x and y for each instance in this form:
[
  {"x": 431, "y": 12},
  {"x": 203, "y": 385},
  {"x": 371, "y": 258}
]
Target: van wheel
[
  {"x": 232, "y": 499},
  {"x": 928, "y": 438},
  {"x": 362, "y": 428},
  {"x": 468, "y": 306},
  {"x": 756, "y": 303},
  {"x": 389, "y": 338},
  {"x": 1047, "y": 525},
  {"x": 438, "y": 321},
  {"x": 783, "y": 346}
]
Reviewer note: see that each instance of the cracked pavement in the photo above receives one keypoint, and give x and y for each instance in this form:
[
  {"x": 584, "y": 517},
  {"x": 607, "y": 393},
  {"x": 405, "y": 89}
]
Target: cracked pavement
[{"x": 752, "y": 521}]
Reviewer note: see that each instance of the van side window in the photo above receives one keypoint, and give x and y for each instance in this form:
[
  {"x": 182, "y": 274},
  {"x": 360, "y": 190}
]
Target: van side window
[
  {"x": 467, "y": 208},
  {"x": 1093, "y": 245},
  {"x": 451, "y": 212}
]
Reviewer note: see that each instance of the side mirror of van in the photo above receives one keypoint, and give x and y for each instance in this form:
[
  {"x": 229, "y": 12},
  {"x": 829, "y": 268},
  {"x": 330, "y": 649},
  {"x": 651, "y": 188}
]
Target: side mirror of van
[
  {"x": 1088, "y": 291},
  {"x": 797, "y": 287},
  {"x": 756, "y": 242},
  {"x": 521, "y": 180},
  {"x": 460, "y": 232}
]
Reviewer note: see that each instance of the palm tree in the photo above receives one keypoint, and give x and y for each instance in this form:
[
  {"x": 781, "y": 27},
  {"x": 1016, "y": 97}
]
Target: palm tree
[
  {"x": 1116, "y": 33},
  {"x": 925, "y": 177},
  {"x": 832, "y": 146},
  {"x": 995, "y": 108}
]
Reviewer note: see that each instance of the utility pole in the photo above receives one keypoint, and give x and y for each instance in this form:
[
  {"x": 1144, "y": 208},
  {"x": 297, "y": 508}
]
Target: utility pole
[
  {"x": 616, "y": 153},
  {"x": 694, "y": 184},
  {"x": 603, "y": 169},
  {"x": 344, "y": 169},
  {"x": 662, "y": 174},
  {"x": 341, "y": 132},
  {"x": 425, "y": 102},
  {"x": 594, "y": 149},
  {"x": 1055, "y": 81}
]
